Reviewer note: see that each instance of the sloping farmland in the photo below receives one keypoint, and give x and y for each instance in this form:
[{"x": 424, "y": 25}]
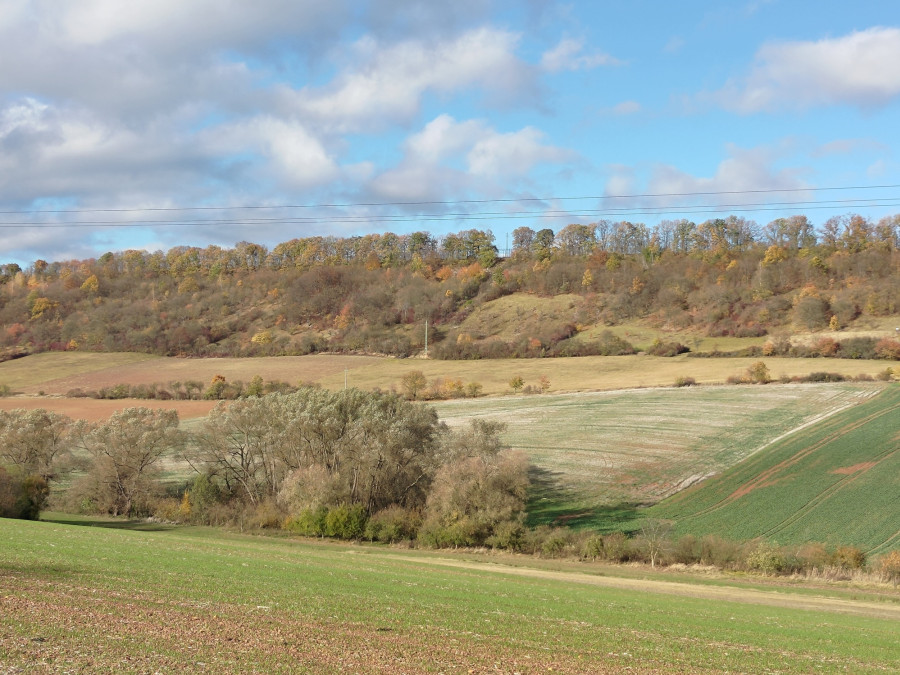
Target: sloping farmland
[
  {"x": 599, "y": 456},
  {"x": 836, "y": 482}
]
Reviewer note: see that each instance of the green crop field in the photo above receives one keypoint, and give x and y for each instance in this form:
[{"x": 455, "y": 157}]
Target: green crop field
[
  {"x": 597, "y": 456},
  {"x": 96, "y": 599},
  {"x": 837, "y": 482}
]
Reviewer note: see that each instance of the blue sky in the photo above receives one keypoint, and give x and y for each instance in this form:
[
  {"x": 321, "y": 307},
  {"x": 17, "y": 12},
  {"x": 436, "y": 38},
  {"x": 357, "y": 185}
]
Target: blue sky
[{"x": 109, "y": 110}]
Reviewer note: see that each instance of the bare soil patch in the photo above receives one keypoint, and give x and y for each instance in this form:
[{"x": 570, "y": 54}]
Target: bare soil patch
[
  {"x": 134, "y": 632},
  {"x": 849, "y": 470}
]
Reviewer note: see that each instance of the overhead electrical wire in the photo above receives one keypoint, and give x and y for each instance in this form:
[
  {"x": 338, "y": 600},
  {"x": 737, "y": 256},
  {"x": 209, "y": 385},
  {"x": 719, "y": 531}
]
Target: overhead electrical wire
[{"x": 473, "y": 215}]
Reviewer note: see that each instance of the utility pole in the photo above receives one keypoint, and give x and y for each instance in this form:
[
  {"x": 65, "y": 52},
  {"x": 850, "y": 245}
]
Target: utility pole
[
  {"x": 345, "y": 379},
  {"x": 426, "y": 338}
]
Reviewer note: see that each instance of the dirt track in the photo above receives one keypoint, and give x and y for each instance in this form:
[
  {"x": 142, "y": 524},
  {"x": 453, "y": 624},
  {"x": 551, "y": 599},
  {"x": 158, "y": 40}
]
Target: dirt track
[{"x": 727, "y": 593}]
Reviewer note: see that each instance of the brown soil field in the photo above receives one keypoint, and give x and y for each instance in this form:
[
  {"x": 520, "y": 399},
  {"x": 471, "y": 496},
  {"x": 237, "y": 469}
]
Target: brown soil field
[
  {"x": 58, "y": 373},
  {"x": 94, "y": 410}
]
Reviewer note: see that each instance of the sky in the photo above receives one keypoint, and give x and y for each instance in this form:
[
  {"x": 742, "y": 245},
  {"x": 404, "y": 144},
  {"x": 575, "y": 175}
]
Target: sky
[{"x": 155, "y": 123}]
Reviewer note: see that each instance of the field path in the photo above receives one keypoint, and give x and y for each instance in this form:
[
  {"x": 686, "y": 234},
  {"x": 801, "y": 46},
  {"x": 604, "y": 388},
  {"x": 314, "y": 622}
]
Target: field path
[{"x": 723, "y": 593}]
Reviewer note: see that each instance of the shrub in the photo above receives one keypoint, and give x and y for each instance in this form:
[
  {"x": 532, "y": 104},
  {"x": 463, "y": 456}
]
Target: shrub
[
  {"x": 858, "y": 348},
  {"x": 392, "y": 524},
  {"x": 473, "y": 389},
  {"x": 308, "y": 522},
  {"x": 826, "y": 347},
  {"x": 890, "y": 567},
  {"x": 685, "y": 382},
  {"x": 759, "y": 373},
  {"x": 824, "y": 377},
  {"x": 888, "y": 349},
  {"x": 766, "y": 558},
  {"x": 848, "y": 558},
  {"x": 22, "y": 496},
  {"x": 687, "y": 550},
  {"x": 266, "y": 515},
  {"x": 660, "y": 348},
  {"x": 554, "y": 543},
  {"x": 346, "y": 522},
  {"x": 719, "y": 552},
  {"x": 592, "y": 548},
  {"x": 615, "y": 547},
  {"x": 509, "y": 535},
  {"x": 203, "y": 493}
]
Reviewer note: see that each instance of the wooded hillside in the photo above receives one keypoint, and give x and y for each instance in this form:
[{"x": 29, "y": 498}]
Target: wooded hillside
[{"x": 722, "y": 277}]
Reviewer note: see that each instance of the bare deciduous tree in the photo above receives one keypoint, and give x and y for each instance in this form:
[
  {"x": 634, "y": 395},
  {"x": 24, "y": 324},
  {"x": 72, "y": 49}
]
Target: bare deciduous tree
[
  {"x": 33, "y": 440},
  {"x": 126, "y": 452}
]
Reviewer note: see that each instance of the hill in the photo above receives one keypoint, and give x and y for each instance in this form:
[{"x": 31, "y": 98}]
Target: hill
[
  {"x": 555, "y": 294},
  {"x": 835, "y": 482}
]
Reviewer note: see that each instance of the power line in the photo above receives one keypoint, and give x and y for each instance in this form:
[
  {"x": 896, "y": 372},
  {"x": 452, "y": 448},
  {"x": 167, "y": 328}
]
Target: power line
[
  {"x": 447, "y": 202},
  {"x": 695, "y": 209}
]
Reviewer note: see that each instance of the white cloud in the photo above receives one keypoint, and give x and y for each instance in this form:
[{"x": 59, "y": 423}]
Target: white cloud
[
  {"x": 744, "y": 170},
  {"x": 293, "y": 156},
  {"x": 626, "y": 108},
  {"x": 877, "y": 169},
  {"x": 847, "y": 146},
  {"x": 451, "y": 157},
  {"x": 386, "y": 83},
  {"x": 444, "y": 137},
  {"x": 861, "y": 69},
  {"x": 569, "y": 54},
  {"x": 622, "y": 181},
  {"x": 65, "y": 152},
  {"x": 514, "y": 154}
]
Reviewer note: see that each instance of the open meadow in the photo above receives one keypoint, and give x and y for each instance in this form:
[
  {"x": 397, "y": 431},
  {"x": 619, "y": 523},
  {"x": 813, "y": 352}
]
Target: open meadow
[
  {"x": 163, "y": 599},
  {"x": 835, "y": 482}
]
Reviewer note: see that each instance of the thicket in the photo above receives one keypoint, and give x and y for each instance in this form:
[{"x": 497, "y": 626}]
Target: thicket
[
  {"x": 340, "y": 464},
  {"x": 726, "y": 277},
  {"x": 218, "y": 389}
]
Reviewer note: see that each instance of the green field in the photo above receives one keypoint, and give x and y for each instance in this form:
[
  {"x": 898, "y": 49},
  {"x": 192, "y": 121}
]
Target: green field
[
  {"x": 95, "y": 599},
  {"x": 835, "y": 482},
  {"x": 598, "y": 456}
]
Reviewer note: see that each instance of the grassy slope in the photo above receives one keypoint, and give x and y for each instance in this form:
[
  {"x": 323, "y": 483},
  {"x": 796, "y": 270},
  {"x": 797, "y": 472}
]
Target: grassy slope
[
  {"x": 190, "y": 600},
  {"x": 836, "y": 481},
  {"x": 597, "y": 456}
]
